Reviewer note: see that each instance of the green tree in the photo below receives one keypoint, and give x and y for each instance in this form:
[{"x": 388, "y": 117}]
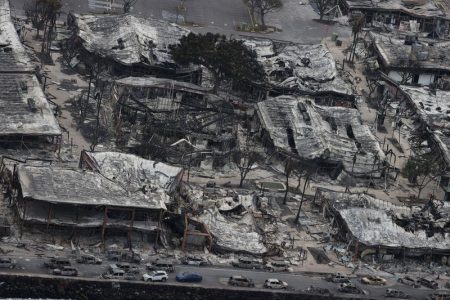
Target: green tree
[
  {"x": 422, "y": 169},
  {"x": 225, "y": 59}
]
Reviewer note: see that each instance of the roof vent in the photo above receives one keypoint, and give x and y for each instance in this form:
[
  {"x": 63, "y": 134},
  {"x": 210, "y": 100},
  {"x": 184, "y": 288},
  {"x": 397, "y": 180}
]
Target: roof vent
[
  {"x": 24, "y": 86},
  {"x": 32, "y": 104}
]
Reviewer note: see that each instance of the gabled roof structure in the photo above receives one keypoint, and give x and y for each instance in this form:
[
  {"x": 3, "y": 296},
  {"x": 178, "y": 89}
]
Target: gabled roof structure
[
  {"x": 127, "y": 39},
  {"x": 313, "y": 132}
]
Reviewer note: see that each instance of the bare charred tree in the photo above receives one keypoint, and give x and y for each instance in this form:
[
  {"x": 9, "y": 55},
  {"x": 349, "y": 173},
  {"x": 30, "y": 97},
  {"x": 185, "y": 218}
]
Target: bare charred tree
[
  {"x": 323, "y": 6},
  {"x": 289, "y": 166},
  {"x": 45, "y": 14},
  {"x": 127, "y": 5},
  {"x": 35, "y": 12},
  {"x": 407, "y": 66},
  {"x": 267, "y": 6},
  {"x": 246, "y": 157},
  {"x": 307, "y": 178},
  {"x": 357, "y": 25},
  {"x": 252, "y": 7}
]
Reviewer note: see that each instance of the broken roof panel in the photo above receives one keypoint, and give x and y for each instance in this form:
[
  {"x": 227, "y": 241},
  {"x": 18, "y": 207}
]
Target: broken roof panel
[
  {"x": 375, "y": 227},
  {"x": 24, "y": 110},
  {"x": 321, "y": 132},
  {"x": 418, "y": 8},
  {"x": 128, "y": 39},
  {"x": 76, "y": 187},
  {"x": 155, "y": 82},
  {"x": 423, "y": 56},
  {"x": 13, "y": 57},
  {"x": 233, "y": 235},
  {"x": 432, "y": 106},
  {"x": 308, "y": 68},
  {"x": 133, "y": 172},
  {"x": 371, "y": 221}
]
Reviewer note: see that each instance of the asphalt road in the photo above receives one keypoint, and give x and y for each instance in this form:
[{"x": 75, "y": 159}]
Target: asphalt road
[
  {"x": 221, "y": 16},
  {"x": 218, "y": 277}
]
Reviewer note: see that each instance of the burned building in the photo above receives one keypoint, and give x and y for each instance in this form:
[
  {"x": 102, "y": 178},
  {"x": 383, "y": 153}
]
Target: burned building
[
  {"x": 28, "y": 128},
  {"x": 430, "y": 113},
  {"x": 302, "y": 70},
  {"x": 365, "y": 222},
  {"x": 133, "y": 172},
  {"x": 173, "y": 121},
  {"x": 421, "y": 17},
  {"x": 125, "y": 45},
  {"x": 114, "y": 192},
  {"x": 333, "y": 137},
  {"x": 420, "y": 62}
]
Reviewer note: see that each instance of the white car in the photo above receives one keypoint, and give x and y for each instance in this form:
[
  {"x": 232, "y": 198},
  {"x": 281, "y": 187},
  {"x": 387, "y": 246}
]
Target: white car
[
  {"x": 273, "y": 283},
  {"x": 155, "y": 276}
]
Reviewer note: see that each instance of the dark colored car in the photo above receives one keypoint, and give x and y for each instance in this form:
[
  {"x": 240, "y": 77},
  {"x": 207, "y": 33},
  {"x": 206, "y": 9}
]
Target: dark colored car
[
  {"x": 6, "y": 262},
  {"x": 57, "y": 263},
  {"x": 317, "y": 290},
  {"x": 429, "y": 283},
  {"x": 394, "y": 293},
  {"x": 188, "y": 277},
  {"x": 409, "y": 281},
  {"x": 349, "y": 288},
  {"x": 338, "y": 278},
  {"x": 194, "y": 261},
  {"x": 240, "y": 281},
  {"x": 65, "y": 271},
  {"x": 89, "y": 260},
  {"x": 441, "y": 295}
]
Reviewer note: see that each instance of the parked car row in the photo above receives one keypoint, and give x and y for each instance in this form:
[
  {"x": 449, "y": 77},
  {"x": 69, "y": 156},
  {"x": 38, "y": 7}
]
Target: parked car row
[
  {"x": 255, "y": 263},
  {"x": 270, "y": 283},
  {"x": 416, "y": 283}
]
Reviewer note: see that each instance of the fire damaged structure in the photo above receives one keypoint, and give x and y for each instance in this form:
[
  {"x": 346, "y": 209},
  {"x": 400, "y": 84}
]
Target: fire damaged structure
[
  {"x": 421, "y": 62},
  {"x": 114, "y": 192},
  {"x": 423, "y": 17},
  {"x": 124, "y": 44},
  {"x": 173, "y": 121},
  {"x": 429, "y": 112},
  {"x": 371, "y": 225},
  {"x": 334, "y": 138},
  {"x": 28, "y": 128},
  {"x": 300, "y": 69}
]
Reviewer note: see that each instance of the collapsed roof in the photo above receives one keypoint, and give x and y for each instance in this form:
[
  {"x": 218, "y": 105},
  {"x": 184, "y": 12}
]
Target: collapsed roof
[
  {"x": 133, "y": 172},
  {"x": 154, "y": 82},
  {"x": 371, "y": 222},
  {"x": 77, "y": 187},
  {"x": 13, "y": 57},
  {"x": 421, "y": 56},
  {"x": 128, "y": 39},
  {"x": 433, "y": 109},
  {"x": 334, "y": 134},
  {"x": 303, "y": 68},
  {"x": 417, "y": 8},
  {"x": 233, "y": 235},
  {"x": 24, "y": 109}
]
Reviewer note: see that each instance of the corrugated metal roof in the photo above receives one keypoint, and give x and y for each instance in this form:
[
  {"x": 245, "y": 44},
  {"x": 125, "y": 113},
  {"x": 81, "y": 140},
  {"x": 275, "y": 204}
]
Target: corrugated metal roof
[{"x": 128, "y": 39}]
